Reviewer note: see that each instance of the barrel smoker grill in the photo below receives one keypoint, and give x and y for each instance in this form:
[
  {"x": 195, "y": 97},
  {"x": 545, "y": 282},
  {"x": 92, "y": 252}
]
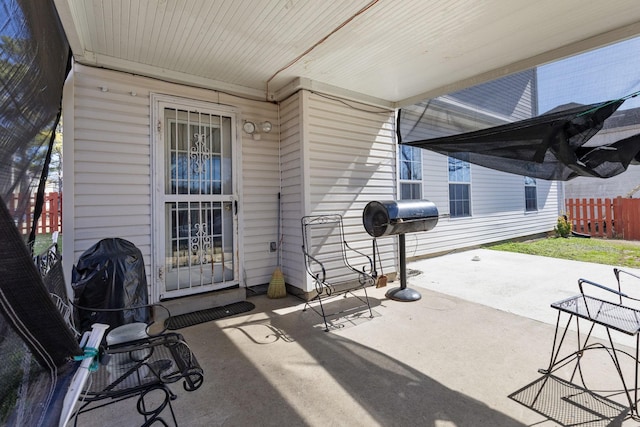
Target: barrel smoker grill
[{"x": 398, "y": 217}]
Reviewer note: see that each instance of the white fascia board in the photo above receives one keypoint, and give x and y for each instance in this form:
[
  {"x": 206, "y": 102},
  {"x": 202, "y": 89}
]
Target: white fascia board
[
  {"x": 70, "y": 29},
  {"x": 131, "y": 67},
  {"x": 302, "y": 83}
]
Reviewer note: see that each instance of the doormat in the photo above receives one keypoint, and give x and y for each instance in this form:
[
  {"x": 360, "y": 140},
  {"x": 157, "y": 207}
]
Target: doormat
[{"x": 207, "y": 315}]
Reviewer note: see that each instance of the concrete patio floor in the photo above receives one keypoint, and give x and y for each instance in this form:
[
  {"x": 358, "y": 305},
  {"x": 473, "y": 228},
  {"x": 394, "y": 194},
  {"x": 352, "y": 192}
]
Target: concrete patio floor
[{"x": 480, "y": 332}]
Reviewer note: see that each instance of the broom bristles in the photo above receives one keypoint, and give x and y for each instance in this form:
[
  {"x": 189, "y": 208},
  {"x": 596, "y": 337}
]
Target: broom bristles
[{"x": 277, "y": 288}]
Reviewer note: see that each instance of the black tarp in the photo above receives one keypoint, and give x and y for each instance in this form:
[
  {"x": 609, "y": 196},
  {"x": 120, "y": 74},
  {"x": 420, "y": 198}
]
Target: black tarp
[{"x": 551, "y": 146}]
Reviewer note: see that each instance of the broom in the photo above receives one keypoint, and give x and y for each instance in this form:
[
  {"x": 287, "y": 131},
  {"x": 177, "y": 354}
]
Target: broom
[
  {"x": 277, "y": 288},
  {"x": 381, "y": 281}
]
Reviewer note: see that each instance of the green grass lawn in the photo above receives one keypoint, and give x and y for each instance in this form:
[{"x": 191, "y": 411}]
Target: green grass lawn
[
  {"x": 601, "y": 251},
  {"x": 43, "y": 241}
]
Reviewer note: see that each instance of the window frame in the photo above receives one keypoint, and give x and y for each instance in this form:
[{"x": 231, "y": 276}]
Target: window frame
[
  {"x": 414, "y": 168},
  {"x": 459, "y": 181},
  {"x": 530, "y": 184}
]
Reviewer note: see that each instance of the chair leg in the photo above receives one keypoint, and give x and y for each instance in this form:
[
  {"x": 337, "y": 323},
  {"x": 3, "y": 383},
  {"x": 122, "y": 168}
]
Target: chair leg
[
  {"x": 324, "y": 317},
  {"x": 366, "y": 297},
  {"x": 153, "y": 415}
]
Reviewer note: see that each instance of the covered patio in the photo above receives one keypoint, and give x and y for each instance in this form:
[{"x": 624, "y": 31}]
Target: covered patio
[
  {"x": 453, "y": 358},
  {"x": 442, "y": 361}
]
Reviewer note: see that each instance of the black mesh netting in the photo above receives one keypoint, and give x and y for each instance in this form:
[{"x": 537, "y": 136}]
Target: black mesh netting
[
  {"x": 33, "y": 65},
  {"x": 36, "y": 343},
  {"x": 551, "y": 146}
]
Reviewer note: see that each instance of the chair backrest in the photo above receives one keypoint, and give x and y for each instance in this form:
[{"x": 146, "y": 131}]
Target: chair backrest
[
  {"x": 324, "y": 245},
  {"x": 49, "y": 263},
  {"x": 628, "y": 283}
]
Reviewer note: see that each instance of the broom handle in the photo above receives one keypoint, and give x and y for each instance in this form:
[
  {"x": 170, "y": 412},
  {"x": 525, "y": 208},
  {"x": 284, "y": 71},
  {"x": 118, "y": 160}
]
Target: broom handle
[{"x": 279, "y": 236}]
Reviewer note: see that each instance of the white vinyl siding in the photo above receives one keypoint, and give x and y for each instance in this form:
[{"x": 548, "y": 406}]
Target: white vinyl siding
[
  {"x": 497, "y": 204},
  {"x": 498, "y": 209},
  {"x": 292, "y": 188},
  {"x": 108, "y": 169},
  {"x": 349, "y": 161},
  {"x": 324, "y": 155},
  {"x": 259, "y": 181},
  {"x": 110, "y": 166}
]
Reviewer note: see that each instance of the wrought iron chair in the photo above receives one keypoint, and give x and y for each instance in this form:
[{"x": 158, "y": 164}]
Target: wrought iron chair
[
  {"x": 331, "y": 262},
  {"x": 135, "y": 363},
  {"x": 139, "y": 361},
  {"x": 49, "y": 264},
  {"x": 136, "y": 369},
  {"x": 605, "y": 307}
]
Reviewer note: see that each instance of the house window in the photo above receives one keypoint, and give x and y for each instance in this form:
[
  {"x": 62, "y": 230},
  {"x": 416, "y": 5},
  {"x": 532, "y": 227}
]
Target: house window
[
  {"x": 530, "y": 194},
  {"x": 410, "y": 172},
  {"x": 459, "y": 188}
]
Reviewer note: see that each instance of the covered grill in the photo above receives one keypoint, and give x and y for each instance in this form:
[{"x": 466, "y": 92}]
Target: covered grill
[{"x": 397, "y": 217}]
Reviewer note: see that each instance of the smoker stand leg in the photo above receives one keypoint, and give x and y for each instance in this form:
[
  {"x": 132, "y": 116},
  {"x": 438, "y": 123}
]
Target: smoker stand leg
[{"x": 403, "y": 293}]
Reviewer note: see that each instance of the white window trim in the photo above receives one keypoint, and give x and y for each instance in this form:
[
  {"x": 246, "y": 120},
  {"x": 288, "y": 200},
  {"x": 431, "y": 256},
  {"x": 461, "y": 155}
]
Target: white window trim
[
  {"x": 469, "y": 183},
  {"x": 535, "y": 185},
  {"x": 401, "y": 181}
]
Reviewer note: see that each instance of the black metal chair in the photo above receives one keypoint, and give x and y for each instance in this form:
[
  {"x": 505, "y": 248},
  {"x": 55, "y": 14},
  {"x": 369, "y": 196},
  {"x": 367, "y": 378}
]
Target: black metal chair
[
  {"x": 139, "y": 368},
  {"x": 138, "y": 362},
  {"x": 337, "y": 268},
  {"x": 614, "y": 310},
  {"x": 135, "y": 367}
]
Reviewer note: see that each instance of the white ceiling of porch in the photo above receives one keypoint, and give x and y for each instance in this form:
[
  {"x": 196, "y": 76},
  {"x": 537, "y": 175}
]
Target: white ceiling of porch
[{"x": 389, "y": 52}]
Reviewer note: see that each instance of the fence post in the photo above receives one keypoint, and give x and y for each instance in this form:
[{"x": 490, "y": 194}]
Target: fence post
[
  {"x": 50, "y": 217},
  {"x": 632, "y": 218},
  {"x": 617, "y": 219},
  {"x": 608, "y": 219}
]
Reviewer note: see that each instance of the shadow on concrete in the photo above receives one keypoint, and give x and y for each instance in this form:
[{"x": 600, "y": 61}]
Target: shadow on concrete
[{"x": 391, "y": 392}]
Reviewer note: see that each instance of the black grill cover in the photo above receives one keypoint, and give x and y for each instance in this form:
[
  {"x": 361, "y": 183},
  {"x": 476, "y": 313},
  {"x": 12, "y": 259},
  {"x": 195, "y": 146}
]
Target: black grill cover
[{"x": 110, "y": 275}]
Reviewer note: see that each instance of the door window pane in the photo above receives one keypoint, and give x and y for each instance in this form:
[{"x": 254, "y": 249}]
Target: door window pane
[{"x": 198, "y": 160}]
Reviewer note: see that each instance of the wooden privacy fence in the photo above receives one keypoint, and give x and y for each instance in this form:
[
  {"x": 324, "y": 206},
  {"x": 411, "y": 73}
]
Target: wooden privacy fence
[
  {"x": 613, "y": 218},
  {"x": 50, "y": 219}
]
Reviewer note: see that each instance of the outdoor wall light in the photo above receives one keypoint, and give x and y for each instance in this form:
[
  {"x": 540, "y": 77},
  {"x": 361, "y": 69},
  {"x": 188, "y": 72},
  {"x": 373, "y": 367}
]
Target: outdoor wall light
[
  {"x": 266, "y": 127},
  {"x": 251, "y": 128}
]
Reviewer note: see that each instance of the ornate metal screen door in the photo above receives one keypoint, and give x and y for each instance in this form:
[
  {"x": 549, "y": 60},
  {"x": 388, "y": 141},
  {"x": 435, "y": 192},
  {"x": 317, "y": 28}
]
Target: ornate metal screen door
[{"x": 198, "y": 202}]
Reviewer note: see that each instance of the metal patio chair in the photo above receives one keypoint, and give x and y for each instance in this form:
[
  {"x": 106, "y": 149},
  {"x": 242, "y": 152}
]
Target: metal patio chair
[
  {"x": 136, "y": 362},
  {"x": 614, "y": 310},
  {"x": 337, "y": 268},
  {"x": 139, "y": 361}
]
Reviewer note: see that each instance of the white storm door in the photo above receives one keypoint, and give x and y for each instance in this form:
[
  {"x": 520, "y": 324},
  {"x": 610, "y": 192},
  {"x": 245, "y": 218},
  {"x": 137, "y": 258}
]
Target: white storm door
[{"x": 197, "y": 238}]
